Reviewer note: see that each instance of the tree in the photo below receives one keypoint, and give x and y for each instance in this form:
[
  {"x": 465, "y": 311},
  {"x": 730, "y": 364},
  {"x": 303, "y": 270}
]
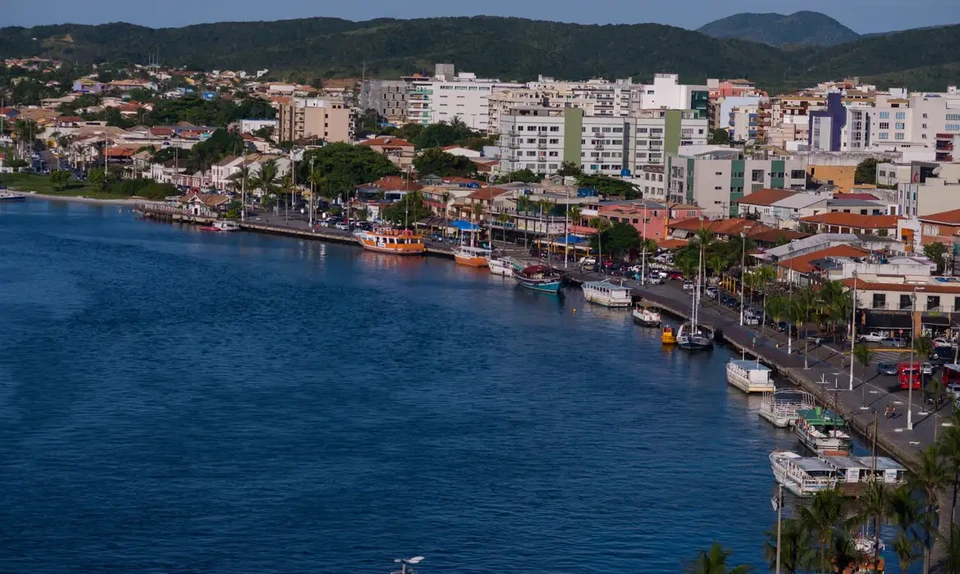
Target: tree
[
  {"x": 600, "y": 224},
  {"x": 720, "y": 136},
  {"x": 568, "y": 168},
  {"x": 607, "y": 185},
  {"x": 523, "y": 176},
  {"x": 776, "y": 307},
  {"x": 930, "y": 475},
  {"x": 60, "y": 179},
  {"x": 576, "y": 215},
  {"x": 408, "y": 211},
  {"x": 438, "y": 162},
  {"x": 343, "y": 166},
  {"x": 821, "y": 517},
  {"x": 866, "y": 171},
  {"x": 620, "y": 239},
  {"x": 949, "y": 448},
  {"x": 797, "y": 553},
  {"x": 936, "y": 252},
  {"x": 801, "y": 306},
  {"x": 266, "y": 179},
  {"x": 714, "y": 561},
  {"x": 502, "y": 219},
  {"x": 863, "y": 355},
  {"x": 874, "y": 503}
]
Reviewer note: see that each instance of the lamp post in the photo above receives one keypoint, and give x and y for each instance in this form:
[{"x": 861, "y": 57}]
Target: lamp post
[
  {"x": 853, "y": 327},
  {"x": 913, "y": 334},
  {"x": 643, "y": 256},
  {"x": 743, "y": 271}
]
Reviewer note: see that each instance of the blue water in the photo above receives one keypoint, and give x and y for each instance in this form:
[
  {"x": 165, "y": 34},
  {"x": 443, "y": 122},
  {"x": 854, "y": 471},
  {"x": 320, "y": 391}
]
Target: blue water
[{"x": 178, "y": 401}]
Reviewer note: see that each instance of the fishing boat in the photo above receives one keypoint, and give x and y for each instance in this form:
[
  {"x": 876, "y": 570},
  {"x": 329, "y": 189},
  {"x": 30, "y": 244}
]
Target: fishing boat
[
  {"x": 750, "y": 376},
  {"x": 395, "y": 241},
  {"x": 9, "y": 196},
  {"x": 471, "y": 256},
  {"x": 221, "y": 226},
  {"x": 646, "y": 318},
  {"x": 607, "y": 294},
  {"x": 804, "y": 476},
  {"x": 539, "y": 278},
  {"x": 667, "y": 336},
  {"x": 502, "y": 266},
  {"x": 780, "y": 408},
  {"x": 691, "y": 338},
  {"x": 823, "y": 431}
]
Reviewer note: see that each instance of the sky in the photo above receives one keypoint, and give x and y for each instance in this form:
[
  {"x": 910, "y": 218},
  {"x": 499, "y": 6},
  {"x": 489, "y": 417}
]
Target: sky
[{"x": 863, "y": 16}]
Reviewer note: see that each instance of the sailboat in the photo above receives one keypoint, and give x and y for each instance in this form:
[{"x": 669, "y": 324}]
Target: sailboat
[{"x": 691, "y": 337}]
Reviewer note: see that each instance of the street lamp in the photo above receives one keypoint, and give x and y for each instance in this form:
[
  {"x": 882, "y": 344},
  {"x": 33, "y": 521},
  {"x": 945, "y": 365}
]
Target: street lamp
[
  {"x": 743, "y": 271},
  {"x": 853, "y": 327},
  {"x": 913, "y": 335}
]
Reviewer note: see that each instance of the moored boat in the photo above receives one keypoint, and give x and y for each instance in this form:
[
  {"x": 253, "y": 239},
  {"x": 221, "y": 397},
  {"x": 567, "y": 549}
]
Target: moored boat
[
  {"x": 823, "y": 431},
  {"x": 668, "y": 337},
  {"x": 471, "y": 256},
  {"x": 780, "y": 408},
  {"x": 221, "y": 225},
  {"x": 692, "y": 338},
  {"x": 646, "y": 318},
  {"x": 395, "y": 241},
  {"x": 802, "y": 475},
  {"x": 11, "y": 196},
  {"x": 750, "y": 376},
  {"x": 503, "y": 266},
  {"x": 539, "y": 278},
  {"x": 607, "y": 294}
]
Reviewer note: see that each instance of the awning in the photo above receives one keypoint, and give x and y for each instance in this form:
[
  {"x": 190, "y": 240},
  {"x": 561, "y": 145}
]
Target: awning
[
  {"x": 935, "y": 319},
  {"x": 885, "y": 320},
  {"x": 464, "y": 225}
]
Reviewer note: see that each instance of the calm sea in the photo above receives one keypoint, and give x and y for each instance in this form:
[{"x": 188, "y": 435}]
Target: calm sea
[{"x": 178, "y": 401}]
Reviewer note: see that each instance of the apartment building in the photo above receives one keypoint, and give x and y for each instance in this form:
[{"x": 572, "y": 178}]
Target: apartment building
[
  {"x": 931, "y": 190},
  {"x": 540, "y": 139},
  {"x": 596, "y": 97},
  {"x": 667, "y": 93},
  {"x": 446, "y": 96},
  {"x": 387, "y": 97},
  {"x": 320, "y": 118},
  {"x": 715, "y": 178},
  {"x": 839, "y": 127},
  {"x": 743, "y": 122}
]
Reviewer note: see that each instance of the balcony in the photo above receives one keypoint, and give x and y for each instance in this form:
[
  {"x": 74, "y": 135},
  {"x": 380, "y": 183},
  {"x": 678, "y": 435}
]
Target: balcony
[
  {"x": 944, "y": 146},
  {"x": 541, "y": 145}
]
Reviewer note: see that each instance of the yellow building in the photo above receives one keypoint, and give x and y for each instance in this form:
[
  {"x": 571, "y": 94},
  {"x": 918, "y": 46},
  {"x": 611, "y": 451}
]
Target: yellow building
[{"x": 841, "y": 176}]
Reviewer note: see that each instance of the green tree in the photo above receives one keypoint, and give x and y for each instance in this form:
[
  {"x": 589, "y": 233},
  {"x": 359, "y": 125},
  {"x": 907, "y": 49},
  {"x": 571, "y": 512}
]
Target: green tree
[
  {"x": 797, "y": 552},
  {"x": 407, "y": 212},
  {"x": 873, "y": 505},
  {"x": 714, "y": 561},
  {"x": 803, "y": 303},
  {"x": 266, "y": 179},
  {"x": 569, "y": 168},
  {"x": 619, "y": 239},
  {"x": 821, "y": 517},
  {"x": 502, "y": 219},
  {"x": 60, "y": 179},
  {"x": 343, "y": 166},
  {"x": 930, "y": 475},
  {"x": 936, "y": 252},
  {"x": 601, "y": 224},
  {"x": 720, "y": 136},
  {"x": 776, "y": 307},
  {"x": 609, "y": 186},
  {"x": 523, "y": 176},
  {"x": 863, "y": 355},
  {"x": 435, "y": 161},
  {"x": 866, "y": 171}
]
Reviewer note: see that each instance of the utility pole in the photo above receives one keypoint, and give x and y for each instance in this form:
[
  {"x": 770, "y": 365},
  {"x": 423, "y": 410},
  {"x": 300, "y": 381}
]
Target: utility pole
[
  {"x": 743, "y": 272},
  {"x": 853, "y": 327},
  {"x": 312, "y": 191}
]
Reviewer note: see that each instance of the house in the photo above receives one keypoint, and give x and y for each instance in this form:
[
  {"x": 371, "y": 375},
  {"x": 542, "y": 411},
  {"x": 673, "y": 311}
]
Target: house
[
  {"x": 838, "y": 222},
  {"x": 943, "y": 227},
  {"x": 207, "y": 204},
  {"x": 399, "y": 151},
  {"x": 906, "y": 302},
  {"x": 649, "y": 218},
  {"x": 760, "y": 203},
  {"x": 88, "y": 86},
  {"x": 168, "y": 171},
  {"x": 462, "y": 151},
  {"x": 221, "y": 172},
  {"x": 9, "y": 113},
  {"x": 800, "y": 270},
  {"x": 132, "y": 84}
]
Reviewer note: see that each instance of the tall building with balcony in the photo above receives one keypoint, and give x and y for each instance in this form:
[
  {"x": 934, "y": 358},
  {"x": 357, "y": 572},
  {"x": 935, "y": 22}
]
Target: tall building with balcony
[
  {"x": 595, "y": 97},
  {"x": 667, "y": 93},
  {"x": 387, "y": 97},
  {"x": 445, "y": 97},
  {"x": 314, "y": 118},
  {"x": 945, "y": 147}
]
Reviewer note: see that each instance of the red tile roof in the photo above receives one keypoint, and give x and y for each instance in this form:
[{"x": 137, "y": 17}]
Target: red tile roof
[
  {"x": 765, "y": 197},
  {"x": 486, "y": 193},
  {"x": 395, "y": 182},
  {"x": 854, "y": 220},
  {"x": 388, "y": 142},
  {"x": 671, "y": 243},
  {"x": 951, "y": 217},
  {"x": 860, "y": 196},
  {"x": 801, "y": 263}
]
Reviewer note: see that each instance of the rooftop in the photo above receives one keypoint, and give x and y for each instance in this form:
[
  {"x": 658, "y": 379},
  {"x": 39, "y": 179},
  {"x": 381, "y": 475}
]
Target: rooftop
[
  {"x": 854, "y": 220},
  {"x": 951, "y": 217},
  {"x": 765, "y": 197},
  {"x": 804, "y": 263}
]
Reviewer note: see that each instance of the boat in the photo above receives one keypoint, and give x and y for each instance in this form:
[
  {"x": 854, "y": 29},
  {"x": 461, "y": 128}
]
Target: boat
[
  {"x": 667, "y": 336},
  {"x": 804, "y": 476},
  {"x": 607, "y": 294},
  {"x": 539, "y": 278},
  {"x": 691, "y": 338},
  {"x": 647, "y": 318},
  {"x": 395, "y": 241},
  {"x": 221, "y": 226},
  {"x": 780, "y": 408},
  {"x": 823, "y": 431},
  {"x": 9, "y": 196},
  {"x": 502, "y": 266},
  {"x": 750, "y": 376},
  {"x": 471, "y": 256},
  {"x": 885, "y": 469}
]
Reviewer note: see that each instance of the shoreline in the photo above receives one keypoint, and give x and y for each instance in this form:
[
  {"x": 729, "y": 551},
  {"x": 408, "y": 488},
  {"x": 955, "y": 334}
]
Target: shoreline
[{"x": 83, "y": 199}]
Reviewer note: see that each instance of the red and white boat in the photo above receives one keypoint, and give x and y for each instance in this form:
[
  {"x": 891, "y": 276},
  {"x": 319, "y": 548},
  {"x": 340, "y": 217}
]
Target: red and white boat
[{"x": 221, "y": 226}]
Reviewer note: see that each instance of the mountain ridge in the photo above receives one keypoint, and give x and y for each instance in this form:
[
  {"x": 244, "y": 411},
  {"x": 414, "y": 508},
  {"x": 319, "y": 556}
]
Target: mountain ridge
[{"x": 800, "y": 28}]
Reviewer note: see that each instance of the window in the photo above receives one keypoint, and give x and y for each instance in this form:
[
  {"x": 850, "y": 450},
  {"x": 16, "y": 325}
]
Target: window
[
  {"x": 618, "y": 130},
  {"x": 952, "y": 127},
  {"x": 901, "y": 115},
  {"x": 933, "y": 302},
  {"x": 531, "y": 153},
  {"x": 884, "y": 136},
  {"x": 553, "y": 154},
  {"x": 879, "y": 301},
  {"x": 899, "y": 136},
  {"x": 531, "y": 140},
  {"x": 884, "y": 115},
  {"x": 554, "y": 140},
  {"x": 554, "y": 128},
  {"x": 641, "y": 130},
  {"x": 905, "y": 302},
  {"x": 899, "y": 125},
  {"x": 737, "y": 174},
  {"x": 756, "y": 175},
  {"x": 884, "y": 125},
  {"x": 798, "y": 174},
  {"x": 951, "y": 117}
]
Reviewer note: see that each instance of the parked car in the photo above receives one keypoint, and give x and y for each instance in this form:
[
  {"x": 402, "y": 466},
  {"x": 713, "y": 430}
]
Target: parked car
[
  {"x": 894, "y": 342},
  {"x": 688, "y": 285},
  {"x": 655, "y": 279},
  {"x": 342, "y": 226},
  {"x": 675, "y": 275},
  {"x": 588, "y": 261},
  {"x": 941, "y": 342},
  {"x": 751, "y": 320},
  {"x": 926, "y": 368},
  {"x": 711, "y": 292},
  {"x": 872, "y": 337},
  {"x": 887, "y": 368}
]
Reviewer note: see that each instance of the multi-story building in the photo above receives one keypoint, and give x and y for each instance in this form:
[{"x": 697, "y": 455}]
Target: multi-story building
[
  {"x": 742, "y": 122},
  {"x": 596, "y": 97},
  {"x": 445, "y": 97},
  {"x": 308, "y": 118},
  {"x": 387, "y": 97},
  {"x": 540, "y": 139},
  {"x": 930, "y": 191},
  {"x": 716, "y": 178},
  {"x": 840, "y": 127},
  {"x": 944, "y": 146},
  {"x": 666, "y": 93}
]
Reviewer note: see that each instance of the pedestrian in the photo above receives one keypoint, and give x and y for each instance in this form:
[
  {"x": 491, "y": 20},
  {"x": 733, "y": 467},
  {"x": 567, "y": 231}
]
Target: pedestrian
[
  {"x": 886, "y": 412},
  {"x": 893, "y": 411}
]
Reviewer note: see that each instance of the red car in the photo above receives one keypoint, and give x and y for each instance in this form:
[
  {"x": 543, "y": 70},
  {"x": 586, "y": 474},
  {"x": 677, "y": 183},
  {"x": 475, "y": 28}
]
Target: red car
[{"x": 675, "y": 275}]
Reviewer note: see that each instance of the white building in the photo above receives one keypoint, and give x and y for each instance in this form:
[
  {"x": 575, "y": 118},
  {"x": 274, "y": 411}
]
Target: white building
[
  {"x": 595, "y": 97},
  {"x": 667, "y": 93},
  {"x": 445, "y": 97},
  {"x": 250, "y": 126}
]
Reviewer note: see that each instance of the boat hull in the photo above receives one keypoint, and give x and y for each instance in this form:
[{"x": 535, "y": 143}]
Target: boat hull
[
  {"x": 470, "y": 261},
  {"x": 12, "y": 198},
  {"x": 501, "y": 267},
  {"x": 741, "y": 379},
  {"x": 408, "y": 249},
  {"x": 542, "y": 286},
  {"x": 646, "y": 323},
  {"x": 606, "y": 301}
]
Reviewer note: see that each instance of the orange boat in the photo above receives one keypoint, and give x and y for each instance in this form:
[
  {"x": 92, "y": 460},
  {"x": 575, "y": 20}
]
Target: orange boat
[
  {"x": 396, "y": 241},
  {"x": 472, "y": 256}
]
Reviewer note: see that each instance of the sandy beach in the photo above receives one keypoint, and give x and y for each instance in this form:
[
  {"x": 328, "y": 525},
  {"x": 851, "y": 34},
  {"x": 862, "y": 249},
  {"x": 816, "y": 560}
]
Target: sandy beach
[{"x": 81, "y": 199}]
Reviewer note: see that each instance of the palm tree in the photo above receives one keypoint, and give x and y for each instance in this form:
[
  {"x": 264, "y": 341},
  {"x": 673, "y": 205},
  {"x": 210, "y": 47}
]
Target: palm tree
[
  {"x": 776, "y": 307},
  {"x": 845, "y": 553},
  {"x": 601, "y": 225},
  {"x": 576, "y": 214},
  {"x": 930, "y": 476},
  {"x": 797, "y": 553},
  {"x": 445, "y": 196},
  {"x": 801, "y": 306},
  {"x": 903, "y": 511},
  {"x": 923, "y": 346},
  {"x": 821, "y": 518},
  {"x": 714, "y": 561},
  {"x": 266, "y": 178},
  {"x": 874, "y": 503},
  {"x": 948, "y": 446},
  {"x": 906, "y": 549}
]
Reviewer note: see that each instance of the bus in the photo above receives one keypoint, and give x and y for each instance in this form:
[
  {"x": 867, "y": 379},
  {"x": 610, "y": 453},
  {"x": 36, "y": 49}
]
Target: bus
[{"x": 907, "y": 372}]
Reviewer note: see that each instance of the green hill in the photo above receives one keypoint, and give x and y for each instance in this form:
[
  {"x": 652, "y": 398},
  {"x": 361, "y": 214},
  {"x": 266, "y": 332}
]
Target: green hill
[
  {"x": 800, "y": 28},
  {"x": 508, "y": 48}
]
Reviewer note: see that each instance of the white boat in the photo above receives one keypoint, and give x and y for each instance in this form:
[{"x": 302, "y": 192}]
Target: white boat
[
  {"x": 693, "y": 339},
  {"x": 503, "y": 266},
  {"x": 11, "y": 196},
  {"x": 885, "y": 469},
  {"x": 221, "y": 225},
  {"x": 646, "y": 317},
  {"x": 803, "y": 476},
  {"x": 823, "y": 431},
  {"x": 780, "y": 408},
  {"x": 750, "y": 376},
  {"x": 607, "y": 294}
]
